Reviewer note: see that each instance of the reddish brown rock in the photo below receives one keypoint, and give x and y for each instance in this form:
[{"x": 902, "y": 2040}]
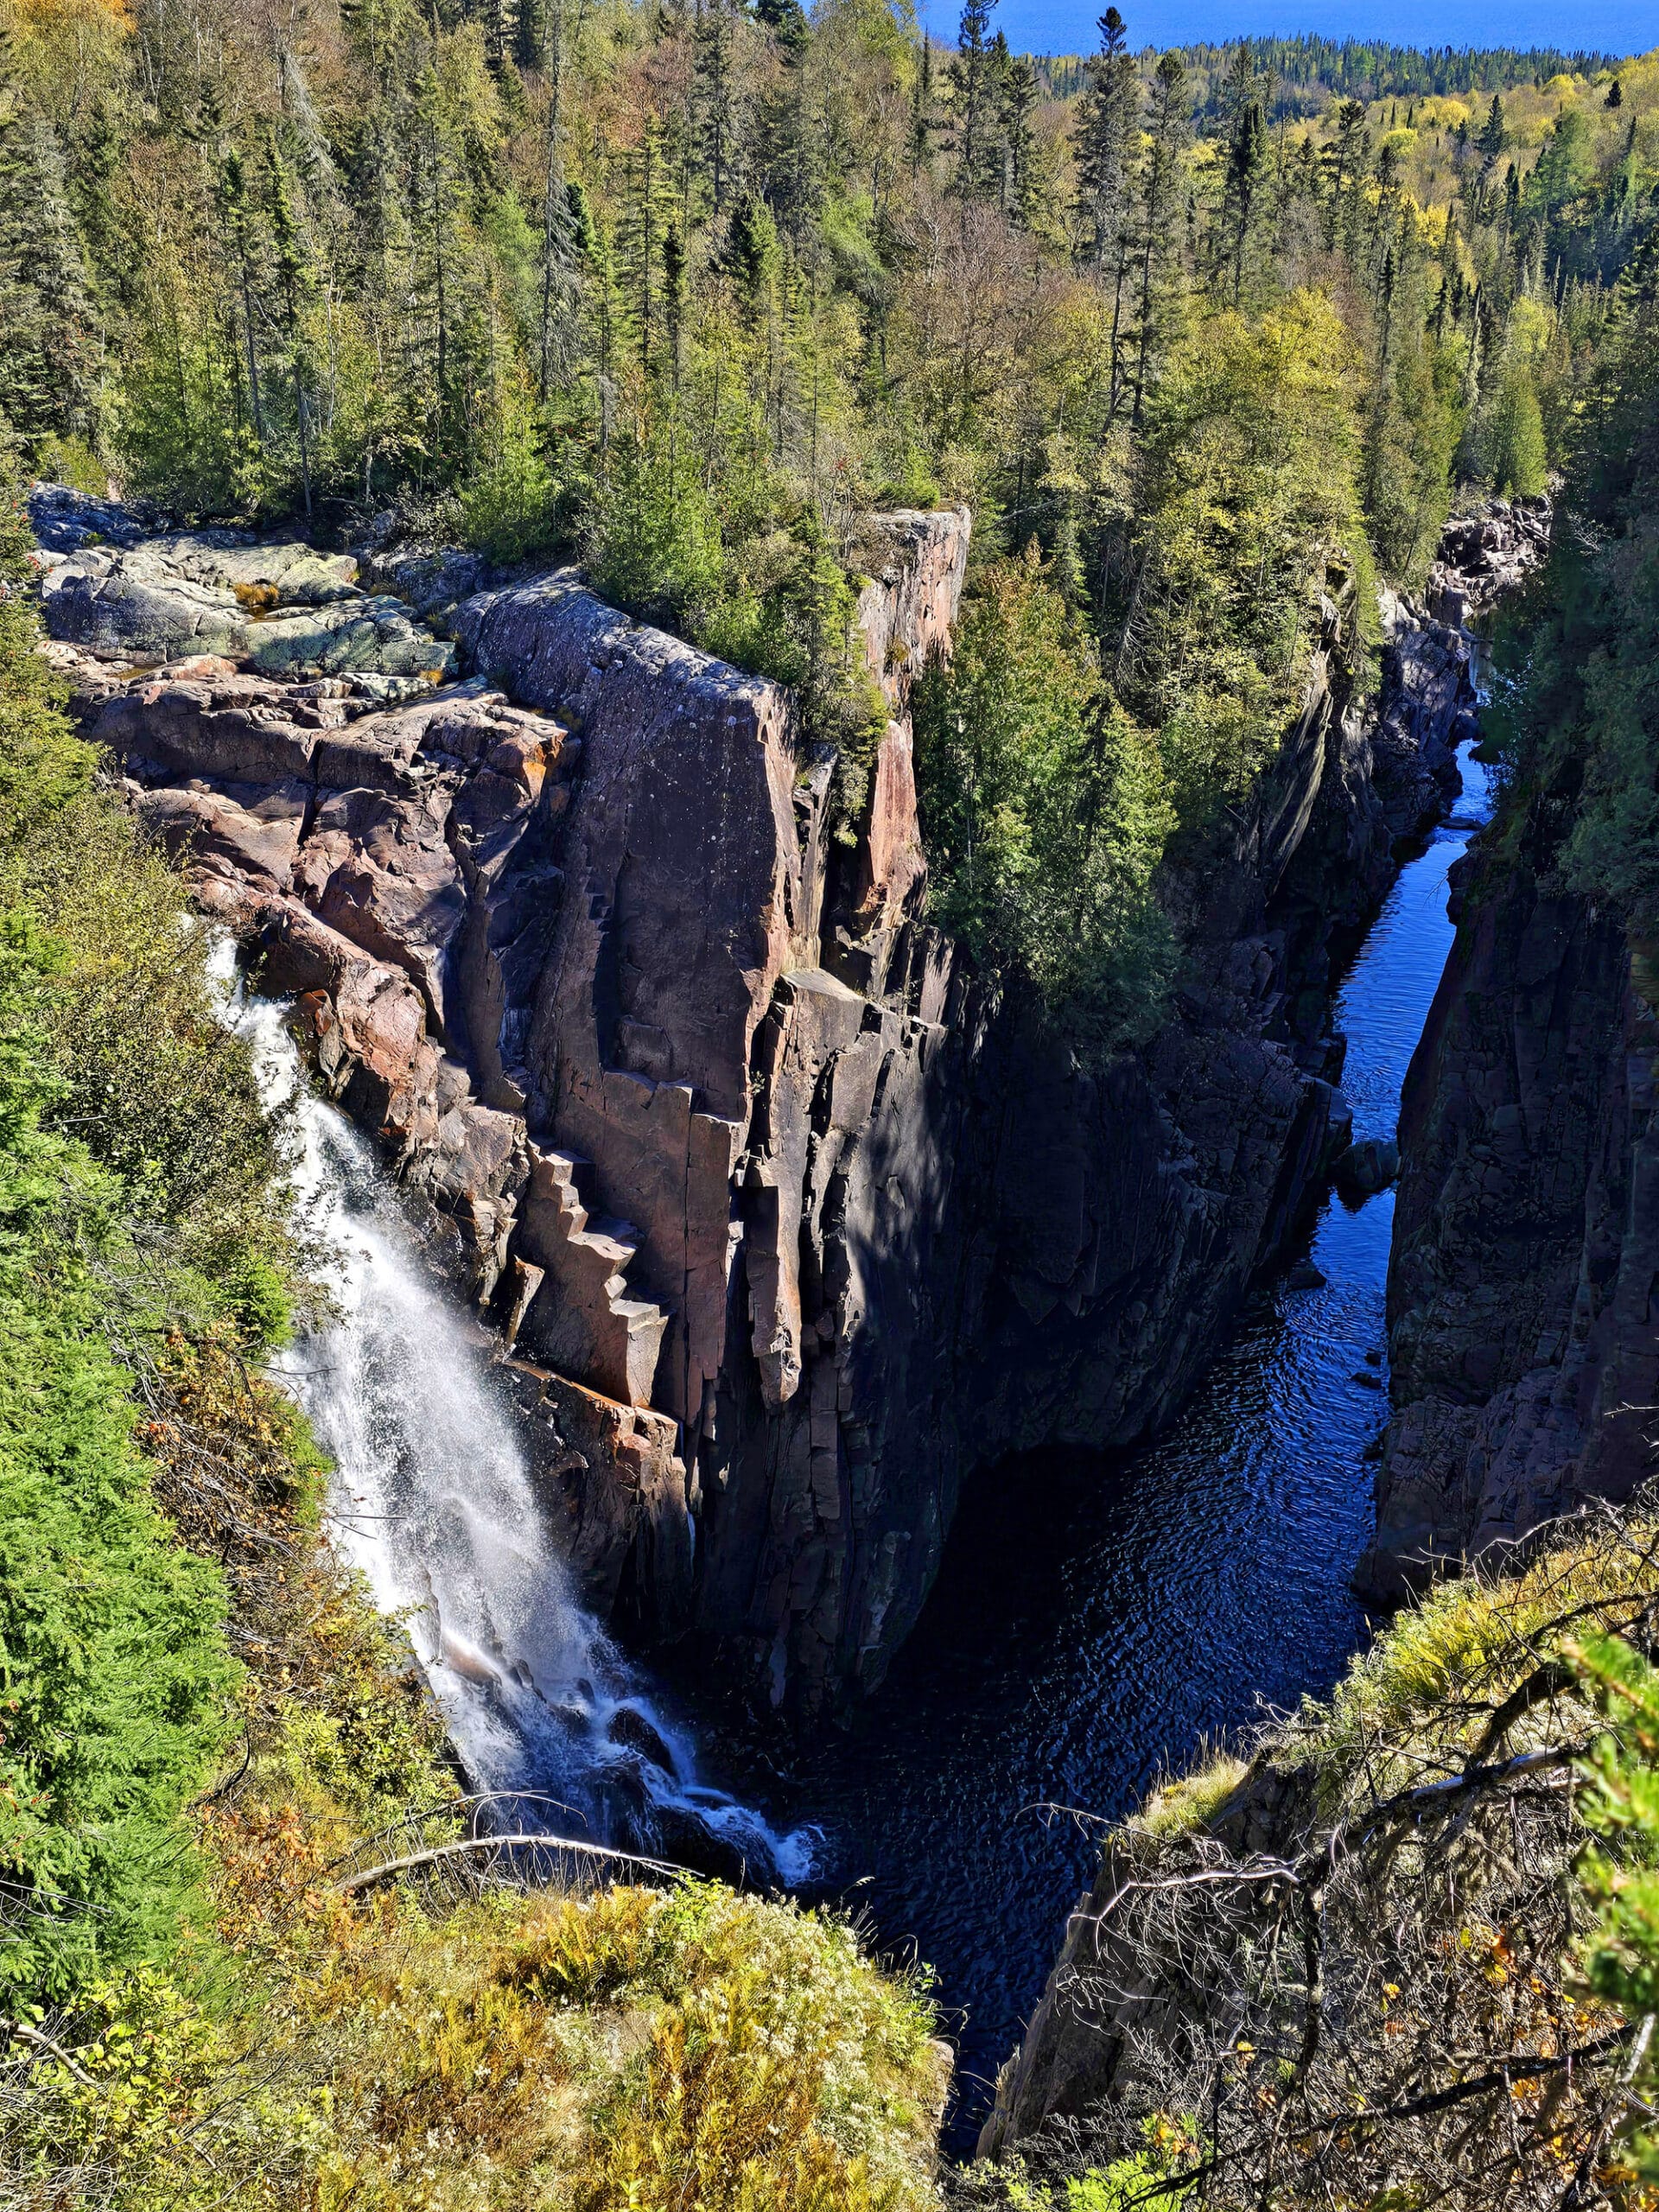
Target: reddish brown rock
[
  {"x": 246, "y": 834},
  {"x": 618, "y": 1488},
  {"x": 379, "y": 870},
  {"x": 582, "y": 1318}
]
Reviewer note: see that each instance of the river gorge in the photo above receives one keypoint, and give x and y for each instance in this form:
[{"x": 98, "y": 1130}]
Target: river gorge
[{"x": 1023, "y": 1418}]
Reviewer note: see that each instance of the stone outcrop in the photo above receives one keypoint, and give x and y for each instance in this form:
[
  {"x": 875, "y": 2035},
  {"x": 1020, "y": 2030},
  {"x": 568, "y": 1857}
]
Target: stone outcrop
[
  {"x": 1485, "y": 555},
  {"x": 790, "y": 1224},
  {"x": 1522, "y": 1336},
  {"x": 281, "y": 607}
]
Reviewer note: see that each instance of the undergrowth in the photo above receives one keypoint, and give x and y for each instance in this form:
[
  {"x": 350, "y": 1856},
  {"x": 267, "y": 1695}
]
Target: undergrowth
[{"x": 1404, "y": 1957}]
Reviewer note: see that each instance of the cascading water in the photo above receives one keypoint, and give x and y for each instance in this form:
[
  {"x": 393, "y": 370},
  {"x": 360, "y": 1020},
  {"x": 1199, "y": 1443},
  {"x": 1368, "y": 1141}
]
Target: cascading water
[{"x": 432, "y": 1498}]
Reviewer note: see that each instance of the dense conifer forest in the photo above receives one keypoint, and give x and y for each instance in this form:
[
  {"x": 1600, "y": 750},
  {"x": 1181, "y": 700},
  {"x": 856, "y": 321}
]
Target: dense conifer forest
[{"x": 688, "y": 294}]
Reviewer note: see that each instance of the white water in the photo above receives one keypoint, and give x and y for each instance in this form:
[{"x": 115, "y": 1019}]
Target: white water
[{"x": 432, "y": 1498}]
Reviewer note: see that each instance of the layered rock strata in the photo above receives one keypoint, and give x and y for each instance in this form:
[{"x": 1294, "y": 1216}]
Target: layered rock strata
[{"x": 789, "y": 1223}]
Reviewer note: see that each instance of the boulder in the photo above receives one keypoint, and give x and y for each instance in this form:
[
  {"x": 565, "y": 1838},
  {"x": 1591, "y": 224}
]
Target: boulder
[
  {"x": 64, "y": 520},
  {"x": 289, "y": 609},
  {"x": 1368, "y": 1166},
  {"x": 135, "y": 606}
]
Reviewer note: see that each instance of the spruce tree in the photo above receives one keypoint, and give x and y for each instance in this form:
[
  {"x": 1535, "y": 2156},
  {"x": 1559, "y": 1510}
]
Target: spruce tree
[
  {"x": 241, "y": 227},
  {"x": 1103, "y": 143},
  {"x": 715, "y": 99},
  {"x": 1016, "y": 106},
  {"x": 50, "y": 354},
  {"x": 1493, "y": 138},
  {"x": 973, "y": 78},
  {"x": 922, "y": 125},
  {"x": 1247, "y": 168},
  {"x": 1168, "y": 121},
  {"x": 291, "y": 266}
]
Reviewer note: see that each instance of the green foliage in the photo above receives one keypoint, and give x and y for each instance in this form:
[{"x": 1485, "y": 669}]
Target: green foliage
[
  {"x": 1412, "y": 429},
  {"x": 42, "y": 765},
  {"x": 654, "y": 542},
  {"x": 1247, "y": 494},
  {"x": 1620, "y": 1801},
  {"x": 1043, "y": 808},
  {"x": 1577, "y": 713},
  {"x": 1512, "y": 449},
  {"x": 1141, "y": 2177},
  {"x": 114, "y": 1678},
  {"x": 783, "y": 607},
  {"x": 140, "y": 1182},
  {"x": 512, "y": 507}
]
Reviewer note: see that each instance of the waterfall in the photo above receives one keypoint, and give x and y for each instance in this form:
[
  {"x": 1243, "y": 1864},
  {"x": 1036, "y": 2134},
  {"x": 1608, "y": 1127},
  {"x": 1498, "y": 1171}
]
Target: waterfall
[{"x": 431, "y": 1497}]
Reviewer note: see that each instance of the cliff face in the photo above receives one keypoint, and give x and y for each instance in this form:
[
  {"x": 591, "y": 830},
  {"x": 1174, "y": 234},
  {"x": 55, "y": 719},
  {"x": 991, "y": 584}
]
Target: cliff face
[
  {"x": 1526, "y": 1251},
  {"x": 788, "y": 1223}
]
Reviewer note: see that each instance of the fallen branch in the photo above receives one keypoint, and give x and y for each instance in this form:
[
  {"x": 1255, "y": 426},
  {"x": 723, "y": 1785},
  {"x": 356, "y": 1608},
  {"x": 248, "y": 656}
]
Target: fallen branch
[
  {"x": 24, "y": 2033},
  {"x": 384, "y": 1872}
]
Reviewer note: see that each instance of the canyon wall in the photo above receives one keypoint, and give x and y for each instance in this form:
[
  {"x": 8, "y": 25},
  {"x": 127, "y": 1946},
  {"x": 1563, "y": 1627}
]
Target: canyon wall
[
  {"x": 789, "y": 1224},
  {"x": 1525, "y": 1266}
]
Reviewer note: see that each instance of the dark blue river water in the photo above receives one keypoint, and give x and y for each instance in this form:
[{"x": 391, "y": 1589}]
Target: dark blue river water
[{"x": 1097, "y": 1619}]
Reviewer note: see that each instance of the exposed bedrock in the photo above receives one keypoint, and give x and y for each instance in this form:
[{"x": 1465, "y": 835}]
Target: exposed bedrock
[
  {"x": 790, "y": 1224},
  {"x": 1521, "y": 1288}
]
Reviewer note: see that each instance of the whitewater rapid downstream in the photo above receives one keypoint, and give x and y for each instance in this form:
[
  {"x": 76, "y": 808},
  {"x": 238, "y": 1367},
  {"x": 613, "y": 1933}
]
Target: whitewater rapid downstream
[{"x": 433, "y": 1500}]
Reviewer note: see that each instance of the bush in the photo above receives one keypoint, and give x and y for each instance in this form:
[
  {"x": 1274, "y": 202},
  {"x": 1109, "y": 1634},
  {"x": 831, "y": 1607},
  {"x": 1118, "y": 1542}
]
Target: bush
[{"x": 653, "y": 541}]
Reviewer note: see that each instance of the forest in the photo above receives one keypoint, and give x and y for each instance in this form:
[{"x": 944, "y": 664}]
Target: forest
[{"x": 689, "y": 295}]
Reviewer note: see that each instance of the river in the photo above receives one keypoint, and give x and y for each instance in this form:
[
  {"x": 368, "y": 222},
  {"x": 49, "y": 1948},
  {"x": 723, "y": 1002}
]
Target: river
[{"x": 1097, "y": 1620}]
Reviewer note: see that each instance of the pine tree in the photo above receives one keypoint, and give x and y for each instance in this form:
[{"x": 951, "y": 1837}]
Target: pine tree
[
  {"x": 752, "y": 254},
  {"x": 560, "y": 277},
  {"x": 715, "y": 100},
  {"x": 501, "y": 31},
  {"x": 1104, "y": 145},
  {"x": 49, "y": 357},
  {"x": 1347, "y": 160},
  {"x": 291, "y": 266},
  {"x": 922, "y": 123},
  {"x": 1247, "y": 168},
  {"x": 241, "y": 226},
  {"x": 1168, "y": 120},
  {"x": 788, "y": 153},
  {"x": 1493, "y": 138},
  {"x": 1016, "y": 106},
  {"x": 972, "y": 77},
  {"x": 647, "y": 219}
]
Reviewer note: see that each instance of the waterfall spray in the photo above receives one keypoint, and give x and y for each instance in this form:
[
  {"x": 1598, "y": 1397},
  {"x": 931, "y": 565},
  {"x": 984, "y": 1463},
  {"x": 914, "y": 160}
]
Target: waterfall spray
[{"x": 432, "y": 1499}]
